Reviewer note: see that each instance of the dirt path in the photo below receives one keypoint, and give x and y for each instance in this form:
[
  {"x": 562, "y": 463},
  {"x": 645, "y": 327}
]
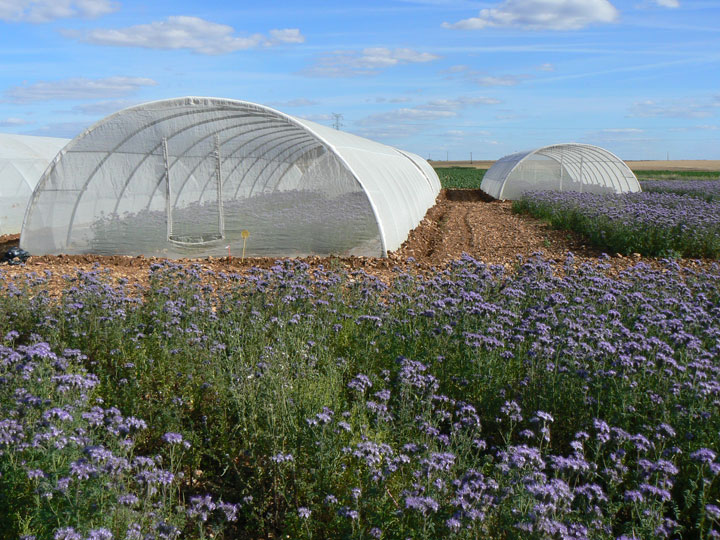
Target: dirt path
[{"x": 468, "y": 221}]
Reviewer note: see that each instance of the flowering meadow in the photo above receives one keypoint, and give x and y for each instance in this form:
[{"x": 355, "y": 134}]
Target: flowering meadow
[
  {"x": 656, "y": 223},
  {"x": 543, "y": 401},
  {"x": 704, "y": 189}
]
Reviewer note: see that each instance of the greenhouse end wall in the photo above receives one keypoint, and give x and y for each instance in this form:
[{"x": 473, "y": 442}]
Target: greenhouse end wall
[{"x": 195, "y": 177}]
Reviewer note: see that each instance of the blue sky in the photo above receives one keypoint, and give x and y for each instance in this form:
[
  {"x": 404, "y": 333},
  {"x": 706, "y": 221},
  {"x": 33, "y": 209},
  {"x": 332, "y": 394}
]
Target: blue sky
[{"x": 442, "y": 78}]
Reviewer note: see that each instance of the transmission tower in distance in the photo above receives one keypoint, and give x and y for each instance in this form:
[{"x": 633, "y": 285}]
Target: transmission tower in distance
[{"x": 337, "y": 120}]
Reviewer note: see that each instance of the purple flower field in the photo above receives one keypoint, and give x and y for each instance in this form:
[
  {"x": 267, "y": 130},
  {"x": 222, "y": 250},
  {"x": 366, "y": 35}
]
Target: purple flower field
[
  {"x": 704, "y": 189},
  {"x": 651, "y": 223},
  {"x": 544, "y": 401}
]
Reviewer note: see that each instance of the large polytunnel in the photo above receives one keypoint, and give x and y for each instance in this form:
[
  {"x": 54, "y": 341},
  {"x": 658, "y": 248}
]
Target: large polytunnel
[
  {"x": 196, "y": 176},
  {"x": 560, "y": 167},
  {"x": 23, "y": 159}
]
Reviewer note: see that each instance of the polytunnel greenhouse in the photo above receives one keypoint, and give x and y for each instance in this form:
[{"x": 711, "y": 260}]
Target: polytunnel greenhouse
[
  {"x": 560, "y": 167},
  {"x": 196, "y": 177},
  {"x": 23, "y": 159}
]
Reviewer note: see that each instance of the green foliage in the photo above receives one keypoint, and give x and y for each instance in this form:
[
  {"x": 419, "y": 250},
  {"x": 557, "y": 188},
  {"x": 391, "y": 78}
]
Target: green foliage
[
  {"x": 677, "y": 175},
  {"x": 460, "y": 177}
]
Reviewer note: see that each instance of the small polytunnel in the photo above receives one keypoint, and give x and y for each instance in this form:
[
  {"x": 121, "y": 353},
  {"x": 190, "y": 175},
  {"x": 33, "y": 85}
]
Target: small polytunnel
[
  {"x": 560, "y": 167},
  {"x": 196, "y": 176},
  {"x": 23, "y": 159}
]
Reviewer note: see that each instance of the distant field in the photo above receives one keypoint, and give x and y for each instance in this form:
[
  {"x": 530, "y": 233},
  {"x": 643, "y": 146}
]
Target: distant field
[
  {"x": 470, "y": 176},
  {"x": 676, "y": 165},
  {"x": 635, "y": 165},
  {"x": 676, "y": 175}
]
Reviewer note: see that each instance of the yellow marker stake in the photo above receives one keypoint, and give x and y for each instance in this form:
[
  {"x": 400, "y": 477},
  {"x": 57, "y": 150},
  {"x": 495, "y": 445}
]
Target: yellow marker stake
[{"x": 245, "y": 233}]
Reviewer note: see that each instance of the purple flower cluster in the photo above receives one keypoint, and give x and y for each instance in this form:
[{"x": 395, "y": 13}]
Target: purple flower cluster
[
  {"x": 548, "y": 400},
  {"x": 58, "y": 444}
]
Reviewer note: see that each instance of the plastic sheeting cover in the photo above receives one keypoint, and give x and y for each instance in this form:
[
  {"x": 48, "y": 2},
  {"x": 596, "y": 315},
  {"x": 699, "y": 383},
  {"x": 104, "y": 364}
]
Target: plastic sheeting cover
[
  {"x": 23, "y": 159},
  {"x": 192, "y": 177},
  {"x": 560, "y": 167}
]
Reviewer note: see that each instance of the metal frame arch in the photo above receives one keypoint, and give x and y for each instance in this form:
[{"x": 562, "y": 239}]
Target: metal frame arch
[
  {"x": 101, "y": 145},
  {"x": 82, "y": 190},
  {"x": 273, "y": 129},
  {"x": 232, "y": 155}
]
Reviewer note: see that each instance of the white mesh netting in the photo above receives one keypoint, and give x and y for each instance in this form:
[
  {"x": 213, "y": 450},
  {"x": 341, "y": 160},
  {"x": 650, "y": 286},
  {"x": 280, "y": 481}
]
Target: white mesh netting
[
  {"x": 185, "y": 178},
  {"x": 23, "y": 159}
]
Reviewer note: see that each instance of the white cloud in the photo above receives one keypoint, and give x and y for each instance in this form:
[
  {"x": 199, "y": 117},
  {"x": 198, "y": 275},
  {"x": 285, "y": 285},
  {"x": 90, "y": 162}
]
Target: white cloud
[
  {"x": 541, "y": 15},
  {"x": 366, "y": 62},
  {"x": 464, "y": 134},
  {"x": 183, "y": 32},
  {"x": 41, "y": 11},
  {"x": 676, "y": 109},
  {"x": 458, "y": 103},
  {"x": 405, "y": 115},
  {"x": 668, "y": 3},
  {"x": 288, "y": 35},
  {"x": 626, "y": 131},
  {"x": 546, "y": 67},
  {"x": 701, "y": 127},
  {"x": 482, "y": 79},
  {"x": 429, "y": 112},
  {"x": 77, "y": 88},
  {"x": 389, "y": 132},
  {"x": 400, "y": 99},
  {"x": 460, "y": 68},
  {"x": 68, "y": 130},
  {"x": 299, "y": 102},
  {"x": 318, "y": 118},
  {"x": 14, "y": 122},
  {"x": 104, "y": 107},
  {"x": 502, "y": 80}
]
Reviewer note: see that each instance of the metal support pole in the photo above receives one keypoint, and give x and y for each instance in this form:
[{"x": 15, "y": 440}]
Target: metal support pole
[
  {"x": 218, "y": 173},
  {"x": 581, "y": 174},
  {"x": 168, "y": 191}
]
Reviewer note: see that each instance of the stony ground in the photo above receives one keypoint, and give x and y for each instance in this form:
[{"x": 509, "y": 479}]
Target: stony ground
[{"x": 462, "y": 221}]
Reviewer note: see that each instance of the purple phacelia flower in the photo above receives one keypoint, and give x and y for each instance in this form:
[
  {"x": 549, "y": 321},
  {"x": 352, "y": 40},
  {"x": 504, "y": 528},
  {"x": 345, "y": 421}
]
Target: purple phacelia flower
[
  {"x": 704, "y": 455},
  {"x": 360, "y": 383},
  {"x": 129, "y": 499},
  {"x": 512, "y": 410},
  {"x": 66, "y": 533},
  {"x": 99, "y": 534},
  {"x": 633, "y": 495},
  {"x": 304, "y": 512},
  {"x": 201, "y": 507},
  {"x": 175, "y": 438},
  {"x": 32, "y": 474},
  {"x": 282, "y": 458}
]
